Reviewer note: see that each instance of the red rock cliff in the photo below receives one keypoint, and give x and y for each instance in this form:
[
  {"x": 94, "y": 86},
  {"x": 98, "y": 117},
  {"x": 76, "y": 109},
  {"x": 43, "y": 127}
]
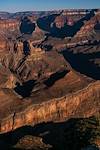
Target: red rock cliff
[{"x": 83, "y": 103}]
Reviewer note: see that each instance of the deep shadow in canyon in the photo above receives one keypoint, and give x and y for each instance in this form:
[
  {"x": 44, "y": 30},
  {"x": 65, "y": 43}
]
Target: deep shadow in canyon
[
  {"x": 26, "y": 48},
  {"x": 27, "y": 27},
  {"x": 70, "y": 31},
  {"x": 45, "y": 22},
  {"x": 97, "y": 27},
  {"x": 81, "y": 63},
  {"x": 54, "y": 77},
  {"x": 66, "y": 31},
  {"x": 25, "y": 89},
  {"x": 73, "y": 134}
]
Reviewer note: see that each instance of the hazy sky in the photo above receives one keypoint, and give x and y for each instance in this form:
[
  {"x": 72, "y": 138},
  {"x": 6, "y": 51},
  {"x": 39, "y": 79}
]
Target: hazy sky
[{"x": 25, "y": 5}]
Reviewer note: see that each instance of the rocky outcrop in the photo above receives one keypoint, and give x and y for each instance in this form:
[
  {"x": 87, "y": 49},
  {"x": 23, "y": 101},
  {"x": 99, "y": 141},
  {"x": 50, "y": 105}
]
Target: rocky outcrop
[
  {"x": 23, "y": 54},
  {"x": 36, "y": 53},
  {"x": 60, "y": 21},
  {"x": 9, "y": 24},
  {"x": 88, "y": 27},
  {"x": 32, "y": 142}
]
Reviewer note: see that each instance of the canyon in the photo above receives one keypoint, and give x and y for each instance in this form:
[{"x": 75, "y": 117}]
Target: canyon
[{"x": 49, "y": 68}]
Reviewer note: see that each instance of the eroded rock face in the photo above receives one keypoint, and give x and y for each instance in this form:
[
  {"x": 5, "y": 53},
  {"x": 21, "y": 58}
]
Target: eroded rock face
[
  {"x": 60, "y": 21},
  {"x": 86, "y": 100},
  {"x": 44, "y": 77},
  {"x": 3, "y": 45},
  {"x": 89, "y": 26},
  {"x": 9, "y": 24},
  {"x": 32, "y": 142},
  {"x": 7, "y": 79}
]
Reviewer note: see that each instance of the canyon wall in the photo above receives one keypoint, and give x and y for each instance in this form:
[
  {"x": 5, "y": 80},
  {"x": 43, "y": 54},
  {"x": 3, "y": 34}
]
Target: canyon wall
[
  {"x": 26, "y": 59},
  {"x": 9, "y": 28},
  {"x": 83, "y": 103},
  {"x": 9, "y": 24},
  {"x": 88, "y": 26}
]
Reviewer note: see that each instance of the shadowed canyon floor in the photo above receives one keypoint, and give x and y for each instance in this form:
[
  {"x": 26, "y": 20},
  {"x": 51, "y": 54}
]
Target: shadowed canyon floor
[
  {"x": 74, "y": 134},
  {"x": 50, "y": 80}
]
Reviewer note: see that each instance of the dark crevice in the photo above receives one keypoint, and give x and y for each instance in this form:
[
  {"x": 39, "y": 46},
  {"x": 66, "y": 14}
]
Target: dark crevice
[
  {"x": 97, "y": 27},
  {"x": 25, "y": 89},
  {"x": 27, "y": 27},
  {"x": 54, "y": 77},
  {"x": 13, "y": 120},
  {"x": 26, "y": 48},
  {"x": 48, "y": 47},
  {"x": 20, "y": 63},
  {"x": 81, "y": 63},
  {"x": 45, "y": 22}
]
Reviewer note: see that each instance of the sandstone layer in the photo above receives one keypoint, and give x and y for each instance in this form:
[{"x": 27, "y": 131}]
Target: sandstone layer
[{"x": 73, "y": 105}]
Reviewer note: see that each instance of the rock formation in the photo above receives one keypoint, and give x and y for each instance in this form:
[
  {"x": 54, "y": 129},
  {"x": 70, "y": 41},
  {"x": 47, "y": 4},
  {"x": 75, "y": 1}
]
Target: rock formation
[
  {"x": 89, "y": 26},
  {"x": 9, "y": 24},
  {"x": 49, "y": 67},
  {"x": 60, "y": 109}
]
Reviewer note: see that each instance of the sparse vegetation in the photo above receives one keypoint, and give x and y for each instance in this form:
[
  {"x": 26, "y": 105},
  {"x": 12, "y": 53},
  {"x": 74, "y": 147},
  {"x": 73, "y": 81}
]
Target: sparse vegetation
[{"x": 83, "y": 132}]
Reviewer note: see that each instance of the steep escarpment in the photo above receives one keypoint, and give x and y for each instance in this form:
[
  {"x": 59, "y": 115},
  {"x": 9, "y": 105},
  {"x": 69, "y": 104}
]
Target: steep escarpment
[
  {"x": 89, "y": 26},
  {"x": 56, "y": 109},
  {"x": 49, "y": 67},
  {"x": 9, "y": 24},
  {"x": 71, "y": 134}
]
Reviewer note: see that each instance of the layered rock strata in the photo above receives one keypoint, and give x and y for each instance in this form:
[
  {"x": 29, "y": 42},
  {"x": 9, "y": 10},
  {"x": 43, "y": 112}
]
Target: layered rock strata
[
  {"x": 83, "y": 103},
  {"x": 38, "y": 81}
]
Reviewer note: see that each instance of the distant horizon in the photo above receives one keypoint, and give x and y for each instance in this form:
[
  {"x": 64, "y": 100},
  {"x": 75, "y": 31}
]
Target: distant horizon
[
  {"x": 46, "y": 5},
  {"x": 1, "y": 11}
]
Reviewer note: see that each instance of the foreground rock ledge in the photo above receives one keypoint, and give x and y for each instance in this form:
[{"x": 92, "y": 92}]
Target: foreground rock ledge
[{"x": 82, "y": 103}]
